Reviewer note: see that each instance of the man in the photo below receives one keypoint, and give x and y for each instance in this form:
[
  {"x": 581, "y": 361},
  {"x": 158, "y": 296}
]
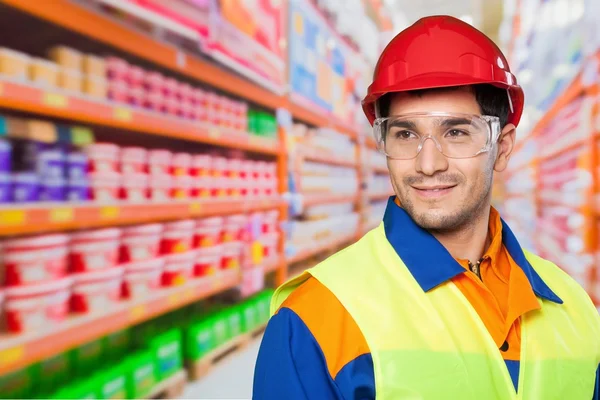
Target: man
[{"x": 440, "y": 301}]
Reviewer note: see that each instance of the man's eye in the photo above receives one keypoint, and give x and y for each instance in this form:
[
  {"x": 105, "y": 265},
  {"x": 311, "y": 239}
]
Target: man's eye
[
  {"x": 404, "y": 135},
  {"x": 456, "y": 133}
]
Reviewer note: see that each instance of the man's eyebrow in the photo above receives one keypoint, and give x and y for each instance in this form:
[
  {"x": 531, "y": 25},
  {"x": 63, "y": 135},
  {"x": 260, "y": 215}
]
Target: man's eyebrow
[
  {"x": 406, "y": 124},
  {"x": 447, "y": 122}
]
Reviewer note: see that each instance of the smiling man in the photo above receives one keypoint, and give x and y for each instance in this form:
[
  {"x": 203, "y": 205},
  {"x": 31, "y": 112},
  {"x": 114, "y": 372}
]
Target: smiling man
[{"x": 440, "y": 301}]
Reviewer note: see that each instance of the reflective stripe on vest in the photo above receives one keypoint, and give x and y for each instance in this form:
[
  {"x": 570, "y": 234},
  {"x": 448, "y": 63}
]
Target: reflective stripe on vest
[{"x": 434, "y": 345}]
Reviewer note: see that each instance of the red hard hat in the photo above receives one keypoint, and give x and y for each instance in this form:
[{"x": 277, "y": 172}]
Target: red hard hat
[{"x": 441, "y": 51}]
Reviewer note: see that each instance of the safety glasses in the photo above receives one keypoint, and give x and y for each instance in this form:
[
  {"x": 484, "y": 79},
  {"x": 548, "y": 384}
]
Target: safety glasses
[{"x": 455, "y": 135}]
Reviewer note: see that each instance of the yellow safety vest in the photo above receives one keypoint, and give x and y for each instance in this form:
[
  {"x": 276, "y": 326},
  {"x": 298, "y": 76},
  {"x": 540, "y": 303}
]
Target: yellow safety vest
[{"x": 433, "y": 345}]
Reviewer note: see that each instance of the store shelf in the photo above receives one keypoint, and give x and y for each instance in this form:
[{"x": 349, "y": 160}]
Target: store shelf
[
  {"x": 17, "y": 351},
  {"x": 326, "y": 158},
  {"x": 167, "y": 388},
  {"x": 53, "y": 103},
  {"x": 318, "y": 199},
  {"x": 17, "y": 220},
  {"x": 379, "y": 196},
  {"x": 76, "y": 18},
  {"x": 321, "y": 247},
  {"x": 303, "y": 112},
  {"x": 380, "y": 169}
]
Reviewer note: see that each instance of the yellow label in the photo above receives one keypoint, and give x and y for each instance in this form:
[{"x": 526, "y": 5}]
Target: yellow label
[
  {"x": 55, "y": 100},
  {"x": 11, "y": 355},
  {"x": 227, "y": 237},
  {"x": 173, "y": 300},
  {"x": 222, "y": 193},
  {"x": 188, "y": 295},
  {"x": 179, "y": 280},
  {"x": 62, "y": 214},
  {"x": 204, "y": 193},
  {"x": 214, "y": 133},
  {"x": 207, "y": 242},
  {"x": 195, "y": 207},
  {"x": 257, "y": 252},
  {"x": 12, "y": 217},
  {"x": 109, "y": 212},
  {"x": 180, "y": 194},
  {"x": 122, "y": 114},
  {"x": 138, "y": 312}
]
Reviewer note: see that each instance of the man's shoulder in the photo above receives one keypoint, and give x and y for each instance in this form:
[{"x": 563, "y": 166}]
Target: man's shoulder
[{"x": 308, "y": 296}]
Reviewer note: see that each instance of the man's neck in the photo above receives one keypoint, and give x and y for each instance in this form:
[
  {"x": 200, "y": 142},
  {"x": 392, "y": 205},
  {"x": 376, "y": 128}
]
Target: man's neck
[{"x": 470, "y": 242}]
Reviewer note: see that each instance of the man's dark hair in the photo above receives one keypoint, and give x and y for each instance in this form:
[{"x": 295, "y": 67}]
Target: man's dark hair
[{"x": 491, "y": 99}]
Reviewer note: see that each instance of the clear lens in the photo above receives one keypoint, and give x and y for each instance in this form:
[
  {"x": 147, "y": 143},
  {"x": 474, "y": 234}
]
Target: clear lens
[{"x": 455, "y": 135}]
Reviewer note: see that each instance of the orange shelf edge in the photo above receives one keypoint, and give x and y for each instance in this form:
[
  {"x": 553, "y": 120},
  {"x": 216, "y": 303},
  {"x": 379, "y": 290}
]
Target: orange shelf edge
[
  {"x": 63, "y": 216},
  {"x": 18, "y": 351},
  {"x": 53, "y": 103},
  {"x": 333, "y": 244},
  {"x": 76, "y": 18}
]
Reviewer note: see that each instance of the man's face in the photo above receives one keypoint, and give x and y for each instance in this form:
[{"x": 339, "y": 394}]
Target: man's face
[{"x": 440, "y": 193}]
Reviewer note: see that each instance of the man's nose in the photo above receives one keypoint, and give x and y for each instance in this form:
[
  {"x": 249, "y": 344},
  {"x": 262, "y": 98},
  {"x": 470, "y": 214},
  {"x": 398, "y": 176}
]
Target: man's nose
[{"x": 430, "y": 159}]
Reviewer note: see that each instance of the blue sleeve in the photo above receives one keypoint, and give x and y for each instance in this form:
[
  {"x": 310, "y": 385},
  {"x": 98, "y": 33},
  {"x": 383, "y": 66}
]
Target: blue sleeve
[
  {"x": 290, "y": 363},
  {"x": 597, "y": 387}
]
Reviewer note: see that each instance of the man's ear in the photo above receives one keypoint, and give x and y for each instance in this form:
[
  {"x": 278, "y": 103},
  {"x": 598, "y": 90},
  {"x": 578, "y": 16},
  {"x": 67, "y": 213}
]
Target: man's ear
[{"x": 506, "y": 144}]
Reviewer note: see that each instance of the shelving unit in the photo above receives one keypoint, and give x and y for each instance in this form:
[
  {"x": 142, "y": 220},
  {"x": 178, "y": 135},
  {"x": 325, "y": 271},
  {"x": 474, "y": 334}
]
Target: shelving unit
[{"x": 18, "y": 351}]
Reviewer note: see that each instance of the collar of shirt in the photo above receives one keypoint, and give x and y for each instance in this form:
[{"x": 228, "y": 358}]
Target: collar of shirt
[{"x": 436, "y": 265}]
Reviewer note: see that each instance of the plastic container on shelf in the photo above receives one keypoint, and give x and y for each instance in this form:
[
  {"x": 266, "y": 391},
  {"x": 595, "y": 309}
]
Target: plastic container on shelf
[
  {"x": 37, "y": 307},
  {"x": 134, "y": 187},
  {"x": 141, "y": 242},
  {"x": 105, "y": 187},
  {"x": 51, "y": 163},
  {"x": 93, "y": 65},
  {"x": 181, "y": 164},
  {"x": 135, "y": 76},
  {"x": 116, "y": 68},
  {"x": 182, "y": 187},
  {"x": 5, "y": 188},
  {"x": 43, "y": 72},
  {"x": 178, "y": 268},
  {"x": 103, "y": 157},
  {"x": 153, "y": 101},
  {"x": 70, "y": 80},
  {"x": 134, "y": 160},
  {"x": 232, "y": 254},
  {"x": 35, "y": 259},
  {"x": 95, "y": 86},
  {"x": 169, "y": 86},
  {"x": 142, "y": 277},
  {"x": 208, "y": 232},
  {"x": 78, "y": 189},
  {"x": 97, "y": 292},
  {"x": 160, "y": 187},
  {"x": 208, "y": 260},
  {"x": 153, "y": 82},
  {"x": 14, "y": 64},
  {"x": 117, "y": 91},
  {"x": 269, "y": 244},
  {"x": 76, "y": 165},
  {"x": 53, "y": 189},
  {"x": 178, "y": 236},
  {"x": 66, "y": 57},
  {"x": 233, "y": 227},
  {"x": 5, "y": 156},
  {"x": 25, "y": 187},
  {"x": 136, "y": 96},
  {"x": 95, "y": 250},
  {"x": 159, "y": 162},
  {"x": 270, "y": 221}
]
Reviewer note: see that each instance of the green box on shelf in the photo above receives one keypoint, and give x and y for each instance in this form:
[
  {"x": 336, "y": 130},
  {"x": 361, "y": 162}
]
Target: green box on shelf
[
  {"x": 141, "y": 374},
  {"x": 234, "y": 320},
  {"x": 249, "y": 316},
  {"x": 117, "y": 344},
  {"x": 19, "y": 384},
  {"x": 220, "y": 328},
  {"x": 88, "y": 357},
  {"x": 168, "y": 353},
  {"x": 113, "y": 382},
  {"x": 85, "y": 389},
  {"x": 54, "y": 372},
  {"x": 199, "y": 340}
]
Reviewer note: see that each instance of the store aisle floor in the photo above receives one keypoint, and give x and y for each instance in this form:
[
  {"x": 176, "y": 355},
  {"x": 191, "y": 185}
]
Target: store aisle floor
[{"x": 230, "y": 379}]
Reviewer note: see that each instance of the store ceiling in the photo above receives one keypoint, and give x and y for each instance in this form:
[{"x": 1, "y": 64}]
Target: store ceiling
[{"x": 484, "y": 14}]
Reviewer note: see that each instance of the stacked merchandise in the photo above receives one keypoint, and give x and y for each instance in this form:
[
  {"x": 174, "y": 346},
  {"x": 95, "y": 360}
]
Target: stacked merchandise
[
  {"x": 373, "y": 215},
  {"x": 549, "y": 187},
  {"x": 115, "y": 79},
  {"x": 129, "y": 364},
  {"x": 91, "y": 272}
]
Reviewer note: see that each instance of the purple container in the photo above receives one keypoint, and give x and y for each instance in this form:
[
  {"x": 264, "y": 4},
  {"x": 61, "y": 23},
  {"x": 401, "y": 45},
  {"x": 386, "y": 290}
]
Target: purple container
[
  {"x": 78, "y": 190},
  {"x": 54, "y": 189},
  {"x": 77, "y": 165},
  {"x": 5, "y": 156},
  {"x": 51, "y": 164},
  {"x": 5, "y": 188},
  {"x": 25, "y": 187}
]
